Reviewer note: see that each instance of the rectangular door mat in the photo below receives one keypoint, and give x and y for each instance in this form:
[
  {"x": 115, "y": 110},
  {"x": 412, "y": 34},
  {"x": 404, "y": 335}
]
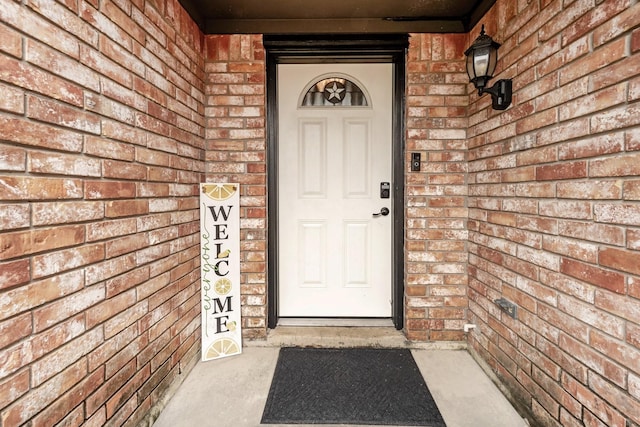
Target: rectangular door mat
[{"x": 349, "y": 386}]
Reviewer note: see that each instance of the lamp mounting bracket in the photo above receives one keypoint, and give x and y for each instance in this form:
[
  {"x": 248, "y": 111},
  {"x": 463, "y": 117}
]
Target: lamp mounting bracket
[{"x": 500, "y": 94}]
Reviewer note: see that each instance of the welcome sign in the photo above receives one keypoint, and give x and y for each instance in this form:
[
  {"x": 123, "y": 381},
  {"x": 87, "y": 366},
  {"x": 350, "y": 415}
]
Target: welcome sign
[{"x": 220, "y": 270}]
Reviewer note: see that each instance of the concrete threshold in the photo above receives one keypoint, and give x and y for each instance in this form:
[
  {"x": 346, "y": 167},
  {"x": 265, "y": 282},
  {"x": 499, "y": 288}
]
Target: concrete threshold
[{"x": 345, "y": 336}]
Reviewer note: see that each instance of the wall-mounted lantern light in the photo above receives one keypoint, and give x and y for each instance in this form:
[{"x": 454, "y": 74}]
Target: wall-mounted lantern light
[{"x": 482, "y": 58}]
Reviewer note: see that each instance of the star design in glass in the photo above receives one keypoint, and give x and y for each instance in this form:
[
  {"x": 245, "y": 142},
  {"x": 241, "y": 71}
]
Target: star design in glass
[{"x": 334, "y": 92}]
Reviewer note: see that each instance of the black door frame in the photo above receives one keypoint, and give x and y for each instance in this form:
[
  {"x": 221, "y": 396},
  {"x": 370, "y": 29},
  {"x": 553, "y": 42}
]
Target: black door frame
[{"x": 386, "y": 48}]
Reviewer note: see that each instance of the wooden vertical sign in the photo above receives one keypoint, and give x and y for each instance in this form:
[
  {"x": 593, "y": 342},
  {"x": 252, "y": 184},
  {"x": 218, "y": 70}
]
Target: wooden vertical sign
[{"x": 220, "y": 270}]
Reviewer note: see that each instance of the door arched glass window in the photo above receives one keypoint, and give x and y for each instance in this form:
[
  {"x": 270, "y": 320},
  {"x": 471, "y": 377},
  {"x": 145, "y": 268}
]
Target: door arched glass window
[{"x": 334, "y": 91}]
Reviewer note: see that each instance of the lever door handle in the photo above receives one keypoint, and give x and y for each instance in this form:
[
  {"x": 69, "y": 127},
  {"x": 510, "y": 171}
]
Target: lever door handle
[{"x": 383, "y": 212}]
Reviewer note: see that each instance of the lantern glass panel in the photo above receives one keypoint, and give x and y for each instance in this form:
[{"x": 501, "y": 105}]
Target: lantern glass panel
[
  {"x": 470, "y": 71},
  {"x": 493, "y": 61},
  {"x": 481, "y": 61}
]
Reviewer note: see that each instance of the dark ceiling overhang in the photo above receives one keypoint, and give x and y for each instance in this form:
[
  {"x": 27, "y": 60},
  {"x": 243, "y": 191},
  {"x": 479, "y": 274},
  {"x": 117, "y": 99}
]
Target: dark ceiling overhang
[{"x": 335, "y": 16}]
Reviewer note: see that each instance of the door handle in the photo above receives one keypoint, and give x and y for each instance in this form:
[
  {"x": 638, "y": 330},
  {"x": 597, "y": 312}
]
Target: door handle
[{"x": 383, "y": 212}]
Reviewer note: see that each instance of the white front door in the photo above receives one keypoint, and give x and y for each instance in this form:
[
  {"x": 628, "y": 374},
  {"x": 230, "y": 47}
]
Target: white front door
[{"x": 334, "y": 253}]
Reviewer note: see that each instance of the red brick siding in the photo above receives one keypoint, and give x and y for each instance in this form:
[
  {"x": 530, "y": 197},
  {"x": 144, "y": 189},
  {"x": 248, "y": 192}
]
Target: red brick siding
[
  {"x": 236, "y": 152},
  {"x": 101, "y": 153},
  {"x": 436, "y": 205},
  {"x": 554, "y": 214}
]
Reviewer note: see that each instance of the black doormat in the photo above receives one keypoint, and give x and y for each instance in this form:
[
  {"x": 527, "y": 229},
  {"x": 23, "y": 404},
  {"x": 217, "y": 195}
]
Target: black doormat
[{"x": 349, "y": 386}]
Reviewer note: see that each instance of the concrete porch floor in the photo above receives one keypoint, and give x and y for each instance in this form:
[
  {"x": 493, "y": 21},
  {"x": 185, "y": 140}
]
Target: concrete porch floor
[{"x": 232, "y": 392}]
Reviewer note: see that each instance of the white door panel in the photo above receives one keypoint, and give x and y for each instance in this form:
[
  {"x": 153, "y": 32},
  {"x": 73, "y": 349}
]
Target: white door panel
[{"x": 334, "y": 255}]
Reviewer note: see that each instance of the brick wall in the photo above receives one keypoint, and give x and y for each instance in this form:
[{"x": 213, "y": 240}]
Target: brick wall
[
  {"x": 236, "y": 152},
  {"x": 554, "y": 211},
  {"x": 101, "y": 153},
  {"x": 436, "y": 206}
]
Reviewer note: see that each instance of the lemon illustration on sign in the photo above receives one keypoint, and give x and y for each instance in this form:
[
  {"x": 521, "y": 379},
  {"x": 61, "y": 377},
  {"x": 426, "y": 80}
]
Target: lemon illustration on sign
[
  {"x": 219, "y": 191},
  {"x": 222, "y": 286},
  {"x": 231, "y": 326},
  {"x": 222, "y": 347},
  {"x": 224, "y": 254}
]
